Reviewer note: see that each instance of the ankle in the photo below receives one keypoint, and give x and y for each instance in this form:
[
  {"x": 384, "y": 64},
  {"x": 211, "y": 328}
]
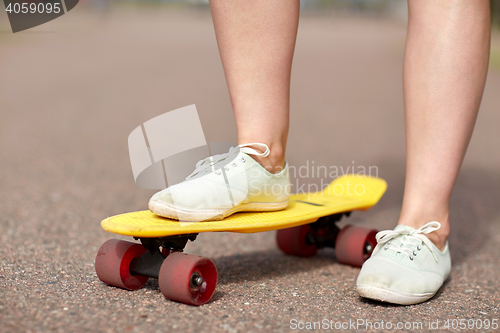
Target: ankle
[
  {"x": 439, "y": 239},
  {"x": 275, "y": 161}
]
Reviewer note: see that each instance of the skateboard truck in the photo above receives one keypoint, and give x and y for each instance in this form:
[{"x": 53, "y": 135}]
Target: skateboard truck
[
  {"x": 352, "y": 244},
  {"x": 149, "y": 263},
  {"x": 325, "y": 230},
  {"x": 173, "y": 243}
]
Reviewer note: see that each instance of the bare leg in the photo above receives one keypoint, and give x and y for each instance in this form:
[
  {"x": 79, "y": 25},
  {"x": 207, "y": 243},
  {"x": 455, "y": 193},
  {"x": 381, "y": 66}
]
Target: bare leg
[
  {"x": 445, "y": 65},
  {"x": 256, "y": 42}
]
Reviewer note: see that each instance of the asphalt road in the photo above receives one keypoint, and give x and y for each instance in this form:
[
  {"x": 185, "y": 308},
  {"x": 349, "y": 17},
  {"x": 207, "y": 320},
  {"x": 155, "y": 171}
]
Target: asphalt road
[{"x": 72, "y": 90}]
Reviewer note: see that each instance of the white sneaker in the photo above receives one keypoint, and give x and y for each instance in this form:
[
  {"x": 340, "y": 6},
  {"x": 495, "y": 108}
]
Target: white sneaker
[
  {"x": 222, "y": 185},
  {"x": 405, "y": 266}
]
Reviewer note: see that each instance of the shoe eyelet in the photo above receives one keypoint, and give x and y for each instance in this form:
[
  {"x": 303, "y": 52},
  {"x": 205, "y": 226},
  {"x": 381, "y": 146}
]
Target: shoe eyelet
[
  {"x": 243, "y": 159},
  {"x": 419, "y": 248},
  {"x": 415, "y": 253},
  {"x": 218, "y": 173},
  {"x": 235, "y": 165},
  {"x": 389, "y": 242},
  {"x": 411, "y": 258},
  {"x": 226, "y": 168},
  {"x": 385, "y": 248}
]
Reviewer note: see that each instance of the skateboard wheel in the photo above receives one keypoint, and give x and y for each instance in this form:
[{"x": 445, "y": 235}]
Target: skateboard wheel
[
  {"x": 294, "y": 241},
  {"x": 113, "y": 261},
  {"x": 187, "y": 278},
  {"x": 354, "y": 245}
]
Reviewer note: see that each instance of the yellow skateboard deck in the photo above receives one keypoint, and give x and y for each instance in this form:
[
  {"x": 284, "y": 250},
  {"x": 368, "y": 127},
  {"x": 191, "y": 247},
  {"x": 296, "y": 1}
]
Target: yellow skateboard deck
[{"x": 344, "y": 194}]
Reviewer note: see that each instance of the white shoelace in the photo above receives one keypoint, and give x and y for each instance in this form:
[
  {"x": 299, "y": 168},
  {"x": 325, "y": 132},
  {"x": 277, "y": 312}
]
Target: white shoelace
[
  {"x": 411, "y": 242},
  {"x": 212, "y": 162}
]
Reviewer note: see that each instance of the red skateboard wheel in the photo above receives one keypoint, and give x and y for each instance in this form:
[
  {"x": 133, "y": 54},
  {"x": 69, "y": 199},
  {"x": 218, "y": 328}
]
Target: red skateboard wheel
[
  {"x": 112, "y": 264},
  {"x": 187, "y": 278},
  {"x": 293, "y": 241},
  {"x": 354, "y": 245}
]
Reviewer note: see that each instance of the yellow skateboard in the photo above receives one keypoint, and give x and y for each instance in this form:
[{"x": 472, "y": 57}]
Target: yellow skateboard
[{"x": 306, "y": 225}]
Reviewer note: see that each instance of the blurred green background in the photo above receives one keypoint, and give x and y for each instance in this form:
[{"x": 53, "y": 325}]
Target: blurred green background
[
  {"x": 367, "y": 6},
  {"x": 391, "y": 10},
  {"x": 396, "y": 10}
]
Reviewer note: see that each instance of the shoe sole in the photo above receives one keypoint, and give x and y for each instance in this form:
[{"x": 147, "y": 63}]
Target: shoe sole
[
  {"x": 165, "y": 210},
  {"x": 392, "y": 296}
]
